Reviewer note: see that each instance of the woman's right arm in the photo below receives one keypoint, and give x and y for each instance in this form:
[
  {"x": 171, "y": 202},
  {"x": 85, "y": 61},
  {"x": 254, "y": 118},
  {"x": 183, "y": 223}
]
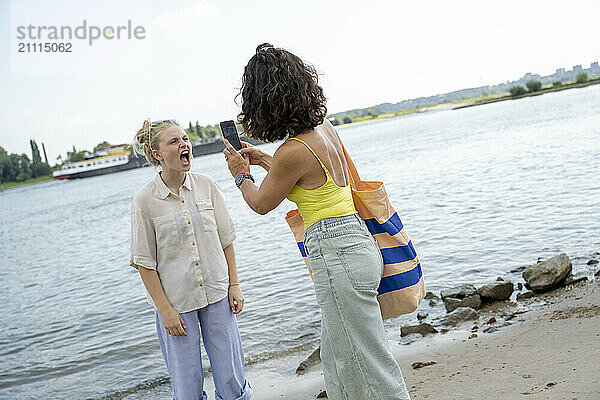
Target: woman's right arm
[
  {"x": 143, "y": 258},
  {"x": 171, "y": 319},
  {"x": 287, "y": 167}
]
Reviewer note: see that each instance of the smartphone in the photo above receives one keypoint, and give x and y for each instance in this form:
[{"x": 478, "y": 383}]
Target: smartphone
[{"x": 230, "y": 133}]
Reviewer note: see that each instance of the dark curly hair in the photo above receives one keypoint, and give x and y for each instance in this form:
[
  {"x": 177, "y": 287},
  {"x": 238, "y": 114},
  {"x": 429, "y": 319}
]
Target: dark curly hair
[{"x": 280, "y": 94}]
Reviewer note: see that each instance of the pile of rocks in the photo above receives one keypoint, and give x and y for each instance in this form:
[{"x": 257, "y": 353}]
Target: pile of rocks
[{"x": 463, "y": 301}]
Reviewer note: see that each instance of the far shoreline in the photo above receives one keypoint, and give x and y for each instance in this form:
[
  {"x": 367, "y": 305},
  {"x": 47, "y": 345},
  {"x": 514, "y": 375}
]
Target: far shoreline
[
  {"x": 433, "y": 107},
  {"x": 531, "y": 94},
  {"x": 28, "y": 182}
]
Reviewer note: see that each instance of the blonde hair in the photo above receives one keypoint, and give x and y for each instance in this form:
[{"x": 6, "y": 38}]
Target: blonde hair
[{"x": 148, "y": 138}]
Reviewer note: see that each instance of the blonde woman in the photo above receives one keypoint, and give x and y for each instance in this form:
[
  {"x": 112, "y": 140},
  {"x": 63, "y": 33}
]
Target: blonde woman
[{"x": 182, "y": 245}]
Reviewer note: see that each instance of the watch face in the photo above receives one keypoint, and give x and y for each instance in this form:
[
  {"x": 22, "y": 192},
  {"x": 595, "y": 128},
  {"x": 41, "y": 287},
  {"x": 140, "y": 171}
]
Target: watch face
[{"x": 240, "y": 179}]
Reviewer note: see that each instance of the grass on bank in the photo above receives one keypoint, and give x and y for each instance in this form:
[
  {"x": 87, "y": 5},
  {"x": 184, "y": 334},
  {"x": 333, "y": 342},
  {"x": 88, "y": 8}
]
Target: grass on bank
[{"x": 11, "y": 185}]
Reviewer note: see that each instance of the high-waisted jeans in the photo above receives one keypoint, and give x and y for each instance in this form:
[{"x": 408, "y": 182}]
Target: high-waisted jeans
[{"x": 347, "y": 266}]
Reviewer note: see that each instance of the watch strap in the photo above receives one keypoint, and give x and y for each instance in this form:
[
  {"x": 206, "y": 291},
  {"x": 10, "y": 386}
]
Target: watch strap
[{"x": 242, "y": 177}]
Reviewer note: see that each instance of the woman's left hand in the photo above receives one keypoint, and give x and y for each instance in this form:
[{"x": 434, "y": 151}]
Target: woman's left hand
[
  {"x": 236, "y": 299},
  {"x": 236, "y": 163}
]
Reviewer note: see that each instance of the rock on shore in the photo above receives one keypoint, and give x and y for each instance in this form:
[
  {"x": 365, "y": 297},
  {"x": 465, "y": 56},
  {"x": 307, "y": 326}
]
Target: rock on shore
[
  {"x": 311, "y": 361},
  {"x": 461, "y": 296},
  {"x": 423, "y": 329},
  {"x": 460, "y": 315},
  {"x": 497, "y": 291},
  {"x": 548, "y": 274}
]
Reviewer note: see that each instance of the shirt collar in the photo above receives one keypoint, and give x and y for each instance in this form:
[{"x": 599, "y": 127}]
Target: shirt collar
[
  {"x": 186, "y": 182},
  {"x": 162, "y": 191}
]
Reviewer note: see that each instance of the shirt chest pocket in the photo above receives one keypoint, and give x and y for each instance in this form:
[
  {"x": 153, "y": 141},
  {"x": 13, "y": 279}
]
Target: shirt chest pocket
[
  {"x": 166, "y": 230},
  {"x": 205, "y": 213}
]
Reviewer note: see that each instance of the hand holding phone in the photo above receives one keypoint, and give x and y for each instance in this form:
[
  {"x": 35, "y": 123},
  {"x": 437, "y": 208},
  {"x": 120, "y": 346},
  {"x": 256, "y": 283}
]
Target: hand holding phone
[{"x": 230, "y": 133}]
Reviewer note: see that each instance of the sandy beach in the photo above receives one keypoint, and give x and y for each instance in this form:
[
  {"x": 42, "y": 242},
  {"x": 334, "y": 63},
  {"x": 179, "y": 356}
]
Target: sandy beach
[
  {"x": 545, "y": 347},
  {"x": 551, "y": 350}
]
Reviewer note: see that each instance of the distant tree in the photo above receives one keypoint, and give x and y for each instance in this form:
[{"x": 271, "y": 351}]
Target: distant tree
[
  {"x": 212, "y": 131},
  {"x": 557, "y": 84},
  {"x": 347, "y": 119},
  {"x": 534, "y": 86},
  {"x": 38, "y": 168},
  {"x": 517, "y": 91},
  {"x": 23, "y": 167},
  {"x": 371, "y": 112},
  {"x": 199, "y": 130},
  {"x": 75, "y": 156},
  {"x": 19, "y": 168},
  {"x": 581, "y": 77},
  {"x": 35, "y": 152},
  {"x": 336, "y": 121},
  {"x": 105, "y": 143},
  {"x": 191, "y": 132},
  {"x": 4, "y": 161},
  {"x": 10, "y": 167}
]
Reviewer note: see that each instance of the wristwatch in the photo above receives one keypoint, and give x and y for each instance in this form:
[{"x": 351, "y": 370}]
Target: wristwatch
[{"x": 242, "y": 177}]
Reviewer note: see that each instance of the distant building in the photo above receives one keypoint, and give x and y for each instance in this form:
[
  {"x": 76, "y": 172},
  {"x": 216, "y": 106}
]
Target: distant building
[
  {"x": 559, "y": 71},
  {"x": 577, "y": 68},
  {"x": 595, "y": 67}
]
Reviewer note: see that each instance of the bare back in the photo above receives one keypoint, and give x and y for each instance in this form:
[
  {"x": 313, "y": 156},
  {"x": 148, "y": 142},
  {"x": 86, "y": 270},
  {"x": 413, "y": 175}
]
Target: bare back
[{"x": 324, "y": 140}]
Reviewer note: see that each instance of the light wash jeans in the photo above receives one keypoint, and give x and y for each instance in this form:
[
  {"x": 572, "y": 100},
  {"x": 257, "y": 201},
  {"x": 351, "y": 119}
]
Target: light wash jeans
[
  {"x": 223, "y": 345},
  {"x": 347, "y": 267}
]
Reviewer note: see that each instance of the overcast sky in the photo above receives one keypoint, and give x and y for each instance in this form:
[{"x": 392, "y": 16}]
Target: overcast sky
[{"x": 189, "y": 64}]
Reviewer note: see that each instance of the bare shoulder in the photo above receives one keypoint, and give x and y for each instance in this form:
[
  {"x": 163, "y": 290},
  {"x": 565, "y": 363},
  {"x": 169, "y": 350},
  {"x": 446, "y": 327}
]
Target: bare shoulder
[{"x": 290, "y": 153}]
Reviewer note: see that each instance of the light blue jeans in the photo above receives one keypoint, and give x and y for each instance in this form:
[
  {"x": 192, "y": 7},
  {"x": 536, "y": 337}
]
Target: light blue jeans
[
  {"x": 223, "y": 345},
  {"x": 347, "y": 267}
]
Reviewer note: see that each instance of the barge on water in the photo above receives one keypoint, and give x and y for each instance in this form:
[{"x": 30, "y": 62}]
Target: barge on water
[{"x": 120, "y": 157}]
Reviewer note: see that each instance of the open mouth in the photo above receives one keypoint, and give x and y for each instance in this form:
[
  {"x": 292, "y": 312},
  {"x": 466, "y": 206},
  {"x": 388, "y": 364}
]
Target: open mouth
[{"x": 185, "y": 157}]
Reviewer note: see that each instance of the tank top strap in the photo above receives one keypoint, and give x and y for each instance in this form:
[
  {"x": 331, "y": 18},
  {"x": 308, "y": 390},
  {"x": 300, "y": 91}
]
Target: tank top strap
[{"x": 312, "y": 151}]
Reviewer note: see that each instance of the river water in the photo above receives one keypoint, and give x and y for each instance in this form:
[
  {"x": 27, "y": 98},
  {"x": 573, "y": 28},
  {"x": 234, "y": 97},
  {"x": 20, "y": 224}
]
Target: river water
[{"x": 481, "y": 191}]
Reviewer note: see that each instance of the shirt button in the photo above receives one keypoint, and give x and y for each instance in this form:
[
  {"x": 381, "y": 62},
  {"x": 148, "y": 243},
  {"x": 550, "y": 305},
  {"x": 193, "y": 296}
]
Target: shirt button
[
  {"x": 183, "y": 201},
  {"x": 193, "y": 244},
  {"x": 189, "y": 222},
  {"x": 197, "y": 264}
]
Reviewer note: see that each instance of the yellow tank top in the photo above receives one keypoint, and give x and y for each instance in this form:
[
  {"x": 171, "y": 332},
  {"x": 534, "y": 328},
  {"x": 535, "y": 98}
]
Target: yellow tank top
[{"x": 326, "y": 201}]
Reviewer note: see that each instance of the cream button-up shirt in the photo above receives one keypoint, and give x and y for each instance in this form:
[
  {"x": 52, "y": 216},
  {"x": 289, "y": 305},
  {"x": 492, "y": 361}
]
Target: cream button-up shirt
[{"x": 182, "y": 238}]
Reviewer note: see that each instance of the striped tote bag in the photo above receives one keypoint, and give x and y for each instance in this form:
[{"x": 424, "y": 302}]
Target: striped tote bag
[{"x": 402, "y": 287}]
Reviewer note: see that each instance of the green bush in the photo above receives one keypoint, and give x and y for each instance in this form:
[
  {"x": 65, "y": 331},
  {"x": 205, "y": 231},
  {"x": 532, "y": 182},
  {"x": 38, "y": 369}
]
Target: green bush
[
  {"x": 581, "y": 77},
  {"x": 557, "y": 84},
  {"x": 517, "y": 91},
  {"x": 534, "y": 86},
  {"x": 347, "y": 120}
]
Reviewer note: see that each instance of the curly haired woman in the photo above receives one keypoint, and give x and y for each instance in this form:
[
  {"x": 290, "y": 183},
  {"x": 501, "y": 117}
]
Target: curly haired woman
[{"x": 281, "y": 99}]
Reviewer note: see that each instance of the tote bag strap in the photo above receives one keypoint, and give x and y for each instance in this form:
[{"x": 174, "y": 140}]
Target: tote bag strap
[{"x": 354, "y": 176}]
